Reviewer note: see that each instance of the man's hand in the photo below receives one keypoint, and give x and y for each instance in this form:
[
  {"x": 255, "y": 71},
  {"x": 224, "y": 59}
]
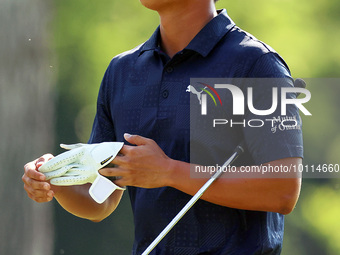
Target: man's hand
[
  {"x": 35, "y": 184},
  {"x": 144, "y": 165},
  {"x": 74, "y": 199},
  {"x": 80, "y": 164}
]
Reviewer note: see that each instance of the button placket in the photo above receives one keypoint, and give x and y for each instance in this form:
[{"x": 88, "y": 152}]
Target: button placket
[
  {"x": 165, "y": 93},
  {"x": 169, "y": 69}
]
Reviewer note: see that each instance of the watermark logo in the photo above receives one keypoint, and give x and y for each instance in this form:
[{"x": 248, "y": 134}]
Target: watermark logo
[
  {"x": 202, "y": 98},
  {"x": 239, "y": 99},
  {"x": 268, "y": 103}
]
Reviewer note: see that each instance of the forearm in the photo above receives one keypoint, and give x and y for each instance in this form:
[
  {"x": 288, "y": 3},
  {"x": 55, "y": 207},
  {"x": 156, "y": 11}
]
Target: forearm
[
  {"x": 76, "y": 200},
  {"x": 147, "y": 166},
  {"x": 260, "y": 194}
]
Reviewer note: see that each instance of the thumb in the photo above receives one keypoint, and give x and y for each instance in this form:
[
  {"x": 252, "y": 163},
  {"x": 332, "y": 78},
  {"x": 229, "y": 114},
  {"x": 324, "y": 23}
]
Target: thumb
[{"x": 135, "y": 139}]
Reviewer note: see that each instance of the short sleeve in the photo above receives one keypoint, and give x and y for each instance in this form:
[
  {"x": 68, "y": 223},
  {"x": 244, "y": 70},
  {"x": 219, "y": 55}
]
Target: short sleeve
[
  {"x": 274, "y": 135},
  {"x": 103, "y": 128}
]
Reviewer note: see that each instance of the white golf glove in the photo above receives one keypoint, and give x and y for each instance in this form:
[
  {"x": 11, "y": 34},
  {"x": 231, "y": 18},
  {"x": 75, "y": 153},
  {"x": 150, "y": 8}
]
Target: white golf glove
[{"x": 80, "y": 165}]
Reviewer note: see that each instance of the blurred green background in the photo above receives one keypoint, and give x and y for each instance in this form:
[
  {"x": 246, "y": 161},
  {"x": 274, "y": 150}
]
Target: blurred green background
[{"x": 80, "y": 40}]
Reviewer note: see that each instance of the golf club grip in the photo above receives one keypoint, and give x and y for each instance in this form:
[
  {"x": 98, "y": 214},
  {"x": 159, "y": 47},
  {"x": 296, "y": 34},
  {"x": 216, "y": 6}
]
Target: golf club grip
[{"x": 238, "y": 151}]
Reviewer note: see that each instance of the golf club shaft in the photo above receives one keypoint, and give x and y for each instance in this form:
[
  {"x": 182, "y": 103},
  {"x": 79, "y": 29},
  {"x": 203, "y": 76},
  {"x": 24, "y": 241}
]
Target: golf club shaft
[{"x": 239, "y": 149}]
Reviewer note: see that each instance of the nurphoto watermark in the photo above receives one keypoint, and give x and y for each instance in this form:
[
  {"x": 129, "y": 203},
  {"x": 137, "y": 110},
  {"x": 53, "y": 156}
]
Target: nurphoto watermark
[{"x": 266, "y": 113}]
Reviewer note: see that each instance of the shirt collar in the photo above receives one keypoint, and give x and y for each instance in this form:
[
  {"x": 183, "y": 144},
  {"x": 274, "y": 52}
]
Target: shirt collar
[
  {"x": 205, "y": 40},
  {"x": 152, "y": 43}
]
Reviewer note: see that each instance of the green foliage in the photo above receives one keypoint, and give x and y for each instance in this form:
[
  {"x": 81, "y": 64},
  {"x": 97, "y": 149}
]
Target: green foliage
[
  {"x": 305, "y": 33},
  {"x": 86, "y": 38},
  {"x": 321, "y": 210}
]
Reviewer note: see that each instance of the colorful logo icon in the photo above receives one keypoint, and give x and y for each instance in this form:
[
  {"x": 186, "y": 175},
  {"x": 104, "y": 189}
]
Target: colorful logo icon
[{"x": 199, "y": 94}]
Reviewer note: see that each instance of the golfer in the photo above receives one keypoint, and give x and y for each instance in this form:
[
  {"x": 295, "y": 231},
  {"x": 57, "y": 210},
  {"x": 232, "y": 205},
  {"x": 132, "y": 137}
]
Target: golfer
[{"x": 143, "y": 102}]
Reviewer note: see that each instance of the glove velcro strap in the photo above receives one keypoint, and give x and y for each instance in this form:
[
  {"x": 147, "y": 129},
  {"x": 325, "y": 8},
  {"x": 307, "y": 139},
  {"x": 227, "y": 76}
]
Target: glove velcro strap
[{"x": 102, "y": 188}]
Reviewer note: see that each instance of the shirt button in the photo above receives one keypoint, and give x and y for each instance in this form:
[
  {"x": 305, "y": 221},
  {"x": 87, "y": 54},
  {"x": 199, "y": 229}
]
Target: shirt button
[
  {"x": 169, "y": 69},
  {"x": 165, "y": 94}
]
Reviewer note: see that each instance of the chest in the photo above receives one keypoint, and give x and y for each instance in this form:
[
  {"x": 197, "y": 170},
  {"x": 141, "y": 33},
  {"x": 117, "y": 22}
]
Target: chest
[{"x": 153, "y": 100}]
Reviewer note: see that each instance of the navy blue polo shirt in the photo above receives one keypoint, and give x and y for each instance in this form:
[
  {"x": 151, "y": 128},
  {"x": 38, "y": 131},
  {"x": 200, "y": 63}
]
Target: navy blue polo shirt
[{"x": 144, "y": 92}]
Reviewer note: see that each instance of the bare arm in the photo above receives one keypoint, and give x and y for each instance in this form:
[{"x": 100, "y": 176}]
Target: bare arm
[
  {"x": 147, "y": 166},
  {"x": 259, "y": 194},
  {"x": 74, "y": 199}
]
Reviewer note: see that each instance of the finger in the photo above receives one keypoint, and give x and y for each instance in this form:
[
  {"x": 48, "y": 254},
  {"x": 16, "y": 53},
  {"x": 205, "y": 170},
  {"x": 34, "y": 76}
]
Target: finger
[
  {"x": 43, "y": 200},
  {"x": 72, "y": 172},
  {"x": 31, "y": 165},
  {"x": 36, "y": 185},
  {"x": 42, "y": 160},
  {"x": 39, "y": 191},
  {"x": 136, "y": 139},
  {"x": 70, "y": 180},
  {"x": 41, "y": 196},
  {"x": 58, "y": 172},
  {"x": 72, "y": 146},
  {"x": 61, "y": 160},
  {"x": 32, "y": 173},
  {"x": 126, "y": 149},
  {"x": 78, "y": 170},
  {"x": 119, "y": 160},
  {"x": 111, "y": 171},
  {"x": 122, "y": 182},
  {"x": 42, "y": 192}
]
